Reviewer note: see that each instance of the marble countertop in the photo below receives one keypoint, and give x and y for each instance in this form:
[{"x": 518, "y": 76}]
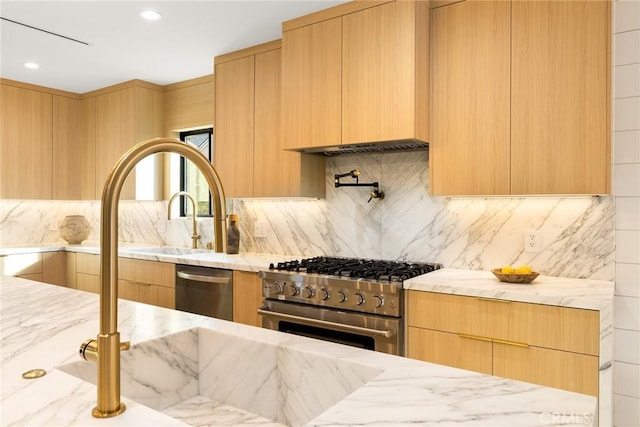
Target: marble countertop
[
  {"x": 206, "y": 258},
  {"x": 43, "y": 326},
  {"x": 560, "y": 291}
]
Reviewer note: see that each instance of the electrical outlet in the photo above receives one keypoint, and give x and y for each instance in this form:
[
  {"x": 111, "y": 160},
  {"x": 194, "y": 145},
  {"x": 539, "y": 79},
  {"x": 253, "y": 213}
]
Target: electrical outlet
[
  {"x": 260, "y": 229},
  {"x": 532, "y": 241}
]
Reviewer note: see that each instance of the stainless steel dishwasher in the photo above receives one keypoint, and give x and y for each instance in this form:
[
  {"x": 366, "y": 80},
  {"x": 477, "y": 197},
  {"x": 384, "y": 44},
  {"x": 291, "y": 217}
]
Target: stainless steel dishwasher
[{"x": 204, "y": 290}]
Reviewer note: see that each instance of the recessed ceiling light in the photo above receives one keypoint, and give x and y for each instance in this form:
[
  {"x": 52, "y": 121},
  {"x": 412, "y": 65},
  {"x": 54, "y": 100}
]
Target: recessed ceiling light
[
  {"x": 31, "y": 65},
  {"x": 151, "y": 15}
]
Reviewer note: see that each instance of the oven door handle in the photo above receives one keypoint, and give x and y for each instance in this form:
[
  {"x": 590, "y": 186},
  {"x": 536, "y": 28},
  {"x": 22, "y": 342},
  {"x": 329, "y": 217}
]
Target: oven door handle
[{"x": 316, "y": 322}]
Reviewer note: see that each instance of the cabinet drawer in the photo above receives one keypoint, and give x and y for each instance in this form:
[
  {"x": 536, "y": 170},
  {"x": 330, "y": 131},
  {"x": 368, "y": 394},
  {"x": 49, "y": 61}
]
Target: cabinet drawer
[
  {"x": 449, "y": 349},
  {"x": 538, "y": 325},
  {"x": 552, "y": 368},
  {"x": 88, "y": 264},
  {"x": 150, "y": 272}
]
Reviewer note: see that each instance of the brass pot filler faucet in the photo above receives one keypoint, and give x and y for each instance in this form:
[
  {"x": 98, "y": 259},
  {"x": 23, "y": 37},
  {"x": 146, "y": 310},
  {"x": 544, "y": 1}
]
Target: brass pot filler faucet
[{"x": 106, "y": 348}]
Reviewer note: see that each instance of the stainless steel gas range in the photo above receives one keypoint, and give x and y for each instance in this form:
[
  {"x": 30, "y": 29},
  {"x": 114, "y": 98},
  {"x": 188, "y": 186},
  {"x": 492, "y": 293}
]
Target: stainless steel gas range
[{"x": 358, "y": 302}]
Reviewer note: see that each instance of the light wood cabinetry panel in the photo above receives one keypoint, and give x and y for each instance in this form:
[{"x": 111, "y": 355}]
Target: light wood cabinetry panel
[
  {"x": 87, "y": 152},
  {"x": 449, "y": 349},
  {"x": 124, "y": 116},
  {"x": 54, "y": 268},
  {"x": 67, "y": 150},
  {"x": 385, "y": 73},
  {"x": 247, "y": 298},
  {"x": 312, "y": 80},
  {"x": 553, "y": 368},
  {"x": 88, "y": 282},
  {"x": 88, "y": 263},
  {"x": 520, "y": 97},
  {"x": 26, "y": 127},
  {"x": 189, "y": 104},
  {"x": 560, "y": 97},
  {"x": 470, "y": 71},
  {"x": 143, "y": 271},
  {"x": 249, "y": 150},
  {"x": 520, "y": 336},
  {"x": 234, "y": 126},
  {"x": 356, "y": 74}
]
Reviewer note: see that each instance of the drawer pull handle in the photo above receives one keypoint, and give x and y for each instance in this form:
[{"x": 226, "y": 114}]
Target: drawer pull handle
[
  {"x": 517, "y": 344},
  {"x": 475, "y": 337},
  {"x": 504, "y": 301}
]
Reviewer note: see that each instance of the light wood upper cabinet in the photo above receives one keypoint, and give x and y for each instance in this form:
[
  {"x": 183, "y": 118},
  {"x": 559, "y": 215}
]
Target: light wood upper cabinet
[
  {"x": 249, "y": 155},
  {"x": 234, "y": 125},
  {"x": 26, "y": 126},
  {"x": 355, "y": 73},
  {"x": 385, "y": 73},
  {"x": 520, "y": 98},
  {"x": 189, "y": 104},
  {"x": 469, "y": 145},
  {"x": 67, "y": 148},
  {"x": 312, "y": 81},
  {"x": 560, "y": 97},
  {"x": 125, "y": 115}
]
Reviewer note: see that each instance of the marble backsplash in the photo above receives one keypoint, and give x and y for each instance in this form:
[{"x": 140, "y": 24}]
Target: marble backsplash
[{"x": 577, "y": 233}]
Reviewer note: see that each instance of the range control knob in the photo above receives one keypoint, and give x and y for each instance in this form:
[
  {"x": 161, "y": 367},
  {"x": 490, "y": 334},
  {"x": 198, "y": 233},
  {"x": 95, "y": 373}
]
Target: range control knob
[
  {"x": 308, "y": 292},
  {"x": 342, "y": 296},
  {"x": 359, "y": 298},
  {"x": 293, "y": 290},
  {"x": 379, "y": 301},
  {"x": 279, "y": 287},
  {"x": 325, "y": 294}
]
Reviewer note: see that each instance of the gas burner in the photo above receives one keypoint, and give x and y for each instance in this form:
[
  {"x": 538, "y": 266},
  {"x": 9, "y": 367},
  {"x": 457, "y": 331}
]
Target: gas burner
[{"x": 356, "y": 268}]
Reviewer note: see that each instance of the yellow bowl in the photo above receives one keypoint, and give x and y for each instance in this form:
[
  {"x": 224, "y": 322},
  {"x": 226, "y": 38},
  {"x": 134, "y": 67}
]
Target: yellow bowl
[{"x": 515, "y": 278}]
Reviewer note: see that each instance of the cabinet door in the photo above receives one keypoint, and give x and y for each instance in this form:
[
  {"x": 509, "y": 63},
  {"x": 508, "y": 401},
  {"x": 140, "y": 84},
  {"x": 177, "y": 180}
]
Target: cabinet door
[
  {"x": 247, "y": 298},
  {"x": 379, "y": 66},
  {"x": 270, "y": 161},
  {"x": 470, "y": 69},
  {"x": 311, "y": 85},
  {"x": 67, "y": 152},
  {"x": 114, "y": 130},
  {"x": 548, "y": 367},
  {"x": 54, "y": 268},
  {"x": 234, "y": 126},
  {"x": 26, "y": 118},
  {"x": 87, "y": 165},
  {"x": 88, "y": 282},
  {"x": 560, "y": 97},
  {"x": 450, "y": 349}
]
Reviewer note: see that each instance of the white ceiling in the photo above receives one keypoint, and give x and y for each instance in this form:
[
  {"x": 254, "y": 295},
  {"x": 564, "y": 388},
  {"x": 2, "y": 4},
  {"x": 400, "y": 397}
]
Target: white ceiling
[{"x": 123, "y": 46}]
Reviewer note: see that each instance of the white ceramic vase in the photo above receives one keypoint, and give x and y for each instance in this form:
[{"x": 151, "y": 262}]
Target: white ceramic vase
[{"x": 74, "y": 229}]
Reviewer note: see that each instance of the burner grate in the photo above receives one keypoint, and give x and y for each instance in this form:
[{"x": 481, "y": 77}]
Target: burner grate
[{"x": 356, "y": 268}]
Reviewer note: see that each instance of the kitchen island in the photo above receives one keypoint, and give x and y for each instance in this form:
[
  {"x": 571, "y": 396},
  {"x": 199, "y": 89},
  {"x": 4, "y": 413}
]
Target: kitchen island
[{"x": 43, "y": 326}]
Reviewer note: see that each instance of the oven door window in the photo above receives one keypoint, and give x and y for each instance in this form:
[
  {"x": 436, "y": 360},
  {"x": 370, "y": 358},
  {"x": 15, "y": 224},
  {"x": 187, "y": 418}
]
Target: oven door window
[{"x": 339, "y": 337}]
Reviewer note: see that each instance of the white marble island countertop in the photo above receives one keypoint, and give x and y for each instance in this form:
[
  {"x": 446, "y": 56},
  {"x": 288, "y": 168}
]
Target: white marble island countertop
[{"x": 43, "y": 325}]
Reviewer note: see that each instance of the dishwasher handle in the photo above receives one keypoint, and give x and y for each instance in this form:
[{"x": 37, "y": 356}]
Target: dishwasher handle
[{"x": 207, "y": 279}]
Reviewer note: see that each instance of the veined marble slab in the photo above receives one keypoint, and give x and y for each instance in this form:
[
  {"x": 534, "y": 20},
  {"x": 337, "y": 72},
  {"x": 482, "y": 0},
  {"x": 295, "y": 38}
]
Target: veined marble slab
[
  {"x": 557, "y": 291},
  {"x": 43, "y": 326}
]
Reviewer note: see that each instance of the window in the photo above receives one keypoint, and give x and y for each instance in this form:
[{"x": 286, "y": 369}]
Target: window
[{"x": 191, "y": 179}]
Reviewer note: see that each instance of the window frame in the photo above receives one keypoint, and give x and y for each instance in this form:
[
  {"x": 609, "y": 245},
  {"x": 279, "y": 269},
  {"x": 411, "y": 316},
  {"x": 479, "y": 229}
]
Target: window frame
[{"x": 183, "y": 171}]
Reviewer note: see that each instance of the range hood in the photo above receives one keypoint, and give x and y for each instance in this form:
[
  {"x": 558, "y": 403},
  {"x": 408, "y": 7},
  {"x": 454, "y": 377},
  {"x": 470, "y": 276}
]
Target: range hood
[{"x": 366, "y": 147}]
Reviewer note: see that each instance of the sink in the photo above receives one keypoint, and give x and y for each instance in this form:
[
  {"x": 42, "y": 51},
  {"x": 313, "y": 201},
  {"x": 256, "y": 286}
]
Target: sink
[
  {"x": 204, "y": 377},
  {"x": 166, "y": 250}
]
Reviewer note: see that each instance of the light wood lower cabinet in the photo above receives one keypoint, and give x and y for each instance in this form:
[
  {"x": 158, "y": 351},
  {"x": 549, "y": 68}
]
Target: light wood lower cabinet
[
  {"x": 247, "y": 298},
  {"x": 149, "y": 282},
  {"x": 547, "y": 345}
]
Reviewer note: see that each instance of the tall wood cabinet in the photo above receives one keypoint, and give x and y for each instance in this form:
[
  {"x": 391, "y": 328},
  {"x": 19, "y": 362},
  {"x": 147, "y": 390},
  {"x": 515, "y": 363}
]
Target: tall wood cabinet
[
  {"x": 355, "y": 73},
  {"x": 247, "y": 298},
  {"x": 520, "y": 98},
  {"x": 249, "y": 153}
]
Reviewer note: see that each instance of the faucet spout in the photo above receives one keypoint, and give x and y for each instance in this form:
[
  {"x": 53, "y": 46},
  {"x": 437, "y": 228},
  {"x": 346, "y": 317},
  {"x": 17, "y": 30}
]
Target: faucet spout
[
  {"x": 108, "y": 341},
  {"x": 194, "y": 233}
]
